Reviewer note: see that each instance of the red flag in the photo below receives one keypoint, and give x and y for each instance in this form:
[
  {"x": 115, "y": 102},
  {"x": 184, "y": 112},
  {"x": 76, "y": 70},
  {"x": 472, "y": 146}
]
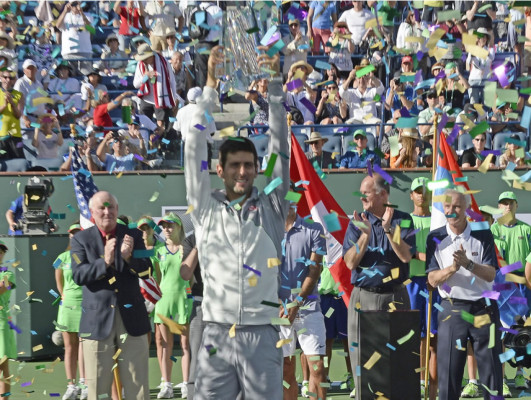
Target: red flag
[{"x": 318, "y": 202}]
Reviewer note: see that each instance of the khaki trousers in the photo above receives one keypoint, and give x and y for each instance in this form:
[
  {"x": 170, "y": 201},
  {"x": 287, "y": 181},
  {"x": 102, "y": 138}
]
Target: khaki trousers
[{"x": 132, "y": 362}]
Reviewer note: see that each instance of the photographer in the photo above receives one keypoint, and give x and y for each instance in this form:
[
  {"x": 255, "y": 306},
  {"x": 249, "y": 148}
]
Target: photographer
[
  {"x": 400, "y": 95},
  {"x": 72, "y": 22},
  {"x": 13, "y": 215},
  {"x": 120, "y": 160}
]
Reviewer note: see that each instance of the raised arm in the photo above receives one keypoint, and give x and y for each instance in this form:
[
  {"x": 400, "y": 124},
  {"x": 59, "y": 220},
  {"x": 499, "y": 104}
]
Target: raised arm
[{"x": 195, "y": 153}]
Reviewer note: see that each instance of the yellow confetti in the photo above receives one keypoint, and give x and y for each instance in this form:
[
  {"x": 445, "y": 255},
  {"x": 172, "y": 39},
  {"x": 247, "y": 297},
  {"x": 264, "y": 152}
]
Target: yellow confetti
[
  {"x": 442, "y": 199},
  {"x": 232, "y": 331},
  {"x": 480, "y": 320},
  {"x": 112, "y": 280},
  {"x": 273, "y": 262},
  {"x": 42, "y": 100},
  {"x": 405, "y": 338},
  {"x": 228, "y": 131},
  {"x": 407, "y": 282},
  {"x": 392, "y": 307},
  {"x": 396, "y": 235},
  {"x": 395, "y": 272},
  {"x": 253, "y": 280},
  {"x": 189, "y": 209},
  {"x": 373, "y": 360},
  {"x": 117, "y": 354},
  {"x": 119, "y": 175},
  {"x": 282, "y": 342},
  {"x": 485, "y": 165},
  {"x": 37, "y": 348},
  {"x": 479, "y": 109},
  {"x": 515, "y": 278},
  {"x": 3, "y": 359},
  {"x": 143, "y": 273},
  {"x": 173, "y": 326},
  {"x": 34, "y": 246},
  {"x": 28, "y": 294}
]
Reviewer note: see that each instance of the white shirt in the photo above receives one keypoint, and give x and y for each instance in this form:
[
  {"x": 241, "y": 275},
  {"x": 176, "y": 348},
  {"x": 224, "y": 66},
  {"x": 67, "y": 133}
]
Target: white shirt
[
  {"x": 75, "y": 38},
  {"x": 184, "y": 120},
  {"x": 464, "y": 284},
  {"x": 162, "y": 17},
  {"x": 361, "y": 104},
  {"x": 30, "y": 91},
  {"x": 356, "y": 22}
]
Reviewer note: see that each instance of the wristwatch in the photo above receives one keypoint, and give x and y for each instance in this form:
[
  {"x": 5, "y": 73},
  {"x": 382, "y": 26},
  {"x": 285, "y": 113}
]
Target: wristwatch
[
  {"x": 470, "y": 266},
  {"x": 388, "y": 231}
]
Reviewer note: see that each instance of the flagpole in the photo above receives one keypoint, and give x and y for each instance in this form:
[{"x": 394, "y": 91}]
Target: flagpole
[{"x": 430, "y": 292}]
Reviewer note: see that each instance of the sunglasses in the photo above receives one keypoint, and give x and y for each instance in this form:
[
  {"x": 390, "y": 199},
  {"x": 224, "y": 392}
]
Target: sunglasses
[{"x": 8, "y": 77}]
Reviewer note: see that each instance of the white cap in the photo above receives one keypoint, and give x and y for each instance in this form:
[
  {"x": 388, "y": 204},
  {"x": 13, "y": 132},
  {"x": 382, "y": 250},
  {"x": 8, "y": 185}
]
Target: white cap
[
  {"x": 29, "y": 63},
  {"x": 193, "y": 94}
]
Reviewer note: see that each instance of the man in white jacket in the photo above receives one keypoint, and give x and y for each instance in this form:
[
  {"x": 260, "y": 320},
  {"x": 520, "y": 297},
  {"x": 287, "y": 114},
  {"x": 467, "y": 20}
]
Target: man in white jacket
[{"x": 239, "y": 233}]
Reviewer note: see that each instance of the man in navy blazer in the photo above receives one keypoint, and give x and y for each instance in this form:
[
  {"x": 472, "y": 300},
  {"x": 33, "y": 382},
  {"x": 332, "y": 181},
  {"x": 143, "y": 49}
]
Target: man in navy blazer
[{"x": 114, "y": 321}]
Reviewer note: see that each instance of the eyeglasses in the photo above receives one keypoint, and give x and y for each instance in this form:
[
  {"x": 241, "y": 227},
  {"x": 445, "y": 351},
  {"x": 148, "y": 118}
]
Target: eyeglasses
[{"x": 8, "y": 77}]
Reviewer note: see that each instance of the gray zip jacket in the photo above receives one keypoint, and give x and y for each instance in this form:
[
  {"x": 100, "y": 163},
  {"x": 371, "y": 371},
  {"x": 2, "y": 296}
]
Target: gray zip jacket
[{"x": 235, "y": 245}]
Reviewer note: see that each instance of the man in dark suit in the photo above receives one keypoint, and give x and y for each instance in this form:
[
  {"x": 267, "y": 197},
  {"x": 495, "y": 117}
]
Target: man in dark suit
[{"x": 114, "y": 322}]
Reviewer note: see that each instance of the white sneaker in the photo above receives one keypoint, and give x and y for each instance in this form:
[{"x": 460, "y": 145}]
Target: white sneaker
[
  {"x": 166, "y": 392},
  {"x": 84, "y": 393},
  {"x": 353, "y": 394},
  {"x": 71, "y": 393},
  {"x": 184, "y": 391},
  {"x": 178, "y": 386}
]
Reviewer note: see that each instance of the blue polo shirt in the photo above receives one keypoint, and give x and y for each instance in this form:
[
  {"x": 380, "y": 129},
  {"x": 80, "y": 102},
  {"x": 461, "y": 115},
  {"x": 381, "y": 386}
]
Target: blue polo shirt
[
  {"x": 409, "y": 92},
  {"x": 380, "y": 259},
  {"x": 352, "y": 159},
  {"x": 324, "y": 15},
  {"x": 18, "y": 211},
  {"x": 303, "y": 239}
]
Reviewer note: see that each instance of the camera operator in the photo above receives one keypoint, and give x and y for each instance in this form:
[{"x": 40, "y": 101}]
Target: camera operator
[
  {"x": 121, "y": 159},
  {"x": 13, "y": 215},
  {"x": 400, "y": 94}
]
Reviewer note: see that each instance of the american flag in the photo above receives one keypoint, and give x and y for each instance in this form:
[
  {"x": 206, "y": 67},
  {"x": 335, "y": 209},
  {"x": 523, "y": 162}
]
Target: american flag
[{"x": 83, "y": 186}]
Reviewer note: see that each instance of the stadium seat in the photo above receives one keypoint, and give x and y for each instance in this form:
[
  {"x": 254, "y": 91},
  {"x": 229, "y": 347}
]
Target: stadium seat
[
  {"x": 15, "y": 165},
  {"x": 301, "y": 138},
  {"x": 464, "y": 142},
  {"x": 333, "y": 145},
  {"x": 261, "y": 143},
  {"x": 500, "y": 139}
]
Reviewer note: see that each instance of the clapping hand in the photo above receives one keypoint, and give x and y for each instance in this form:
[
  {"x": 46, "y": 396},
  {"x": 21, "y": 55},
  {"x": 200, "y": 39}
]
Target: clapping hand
[
  {"x": 363, "y": 218},
  {"x": 127, "y": 248},
  {"x": 460, "y": 258}
]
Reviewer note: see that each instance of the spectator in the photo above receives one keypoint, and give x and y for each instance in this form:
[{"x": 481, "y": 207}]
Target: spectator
[
  {"x": 409, "y": 28},
  {"x": 40, "y": 51},
  {"x": 107, "y": 64},
  {"x": 505, "y": 112},
  {"x": 120, "y": 160},
  {"x": 185, "y": 117},
  {"x": 29, "y": 87},
  {"x": 87, "y": 150},
  {"x": 48, "y": 138},
  {"x": 436, "y": 69},
  {"x": 213, "y": 19},
  {"x": 430, "y": 11},
  {"x": 462, "y": 264},
  {"x": 257, "y": 95},
  {"x": 356, "y": 19},
  {"x": 7, "y": 44},
  {"x": 454, "y": 86},
  {"x": 92, "y": 85},
  {"x": 322, "y": 16},
  {"x": 427, "y": 116},
  {"x": 513, "y": 153},
  {"x": 480, "y": 19},
  {"x": 132, "y": 20},
  {"x": 375, "y": 229},
  {"x": 341, "y": 48},
  {"x": 409, "y": 150},
  {"x": 332, "y": 109},
  {"x": 156, "y": 83},
  {"x": 300, "y": 71},
  {"x": 386, "y": 10},
  {"x": 11, "y": 108},
  {"x": 401, "y": 94},
  {"x": 361, "y": 156},
  {"x": 317, "y": 155},
  {"x": 479, "y": 67},
  {"x": 103, "y": 105},
  {"x": 332, "y": 74},
  {"x": 297, "y": 46},
  {"x": 75, "y": 38},
  {"x": 161, "y": 20},
  {"x": 390, "y": 131},
  {"x": 65, "y": 90},
  {"x": 473, "y": 157},
  {"x": 182, "y": 77},
  {"x": 361, "y": 99}
]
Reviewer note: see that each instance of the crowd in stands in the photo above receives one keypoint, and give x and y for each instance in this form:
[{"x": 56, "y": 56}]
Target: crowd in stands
[{"x": 110, "y": 73}]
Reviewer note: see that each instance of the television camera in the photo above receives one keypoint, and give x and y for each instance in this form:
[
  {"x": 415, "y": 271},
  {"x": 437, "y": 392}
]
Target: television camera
[{"x": 35, "y": 217}]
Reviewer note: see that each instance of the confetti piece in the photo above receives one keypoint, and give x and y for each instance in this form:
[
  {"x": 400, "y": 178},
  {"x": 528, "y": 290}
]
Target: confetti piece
[
  {"x": 154, "y": 197},
  {"x": 485, "y": 165},
  {"x": 405, "y": 338},
  {"x": 273, "y": 262},
  {"x": 174, "y": 327},
  {"x": 280, "y": 321},
  {"x": 293, "y": 197},
  {"x": 331, "y": 222},
  {"x": 252, "y": 270},
  {"x": 396, "y": 235},
  {"x": 34, "y": 247},
  {"x": 271, "y": 164},
  {"x": 117, "y": 354},
  {"x": 37, "y": 348},
  {"x": 511, "y": 267},
  {"x": 273, "y": 185},
  {"x": 232, "y": 331},
  {"x": 372, "y": 360},
  {"x": 253, "y": 281},
  {"x": 481, "y": 320},
  {"x": 282, "y": 342},
  {"x": 504, "y": 357},
  {"x": 112, "y": 280},
  {"x": 329, "y": 312}
]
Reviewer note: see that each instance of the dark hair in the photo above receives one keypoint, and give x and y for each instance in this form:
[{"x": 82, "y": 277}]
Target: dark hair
[{"x": 233, "y": 145}]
